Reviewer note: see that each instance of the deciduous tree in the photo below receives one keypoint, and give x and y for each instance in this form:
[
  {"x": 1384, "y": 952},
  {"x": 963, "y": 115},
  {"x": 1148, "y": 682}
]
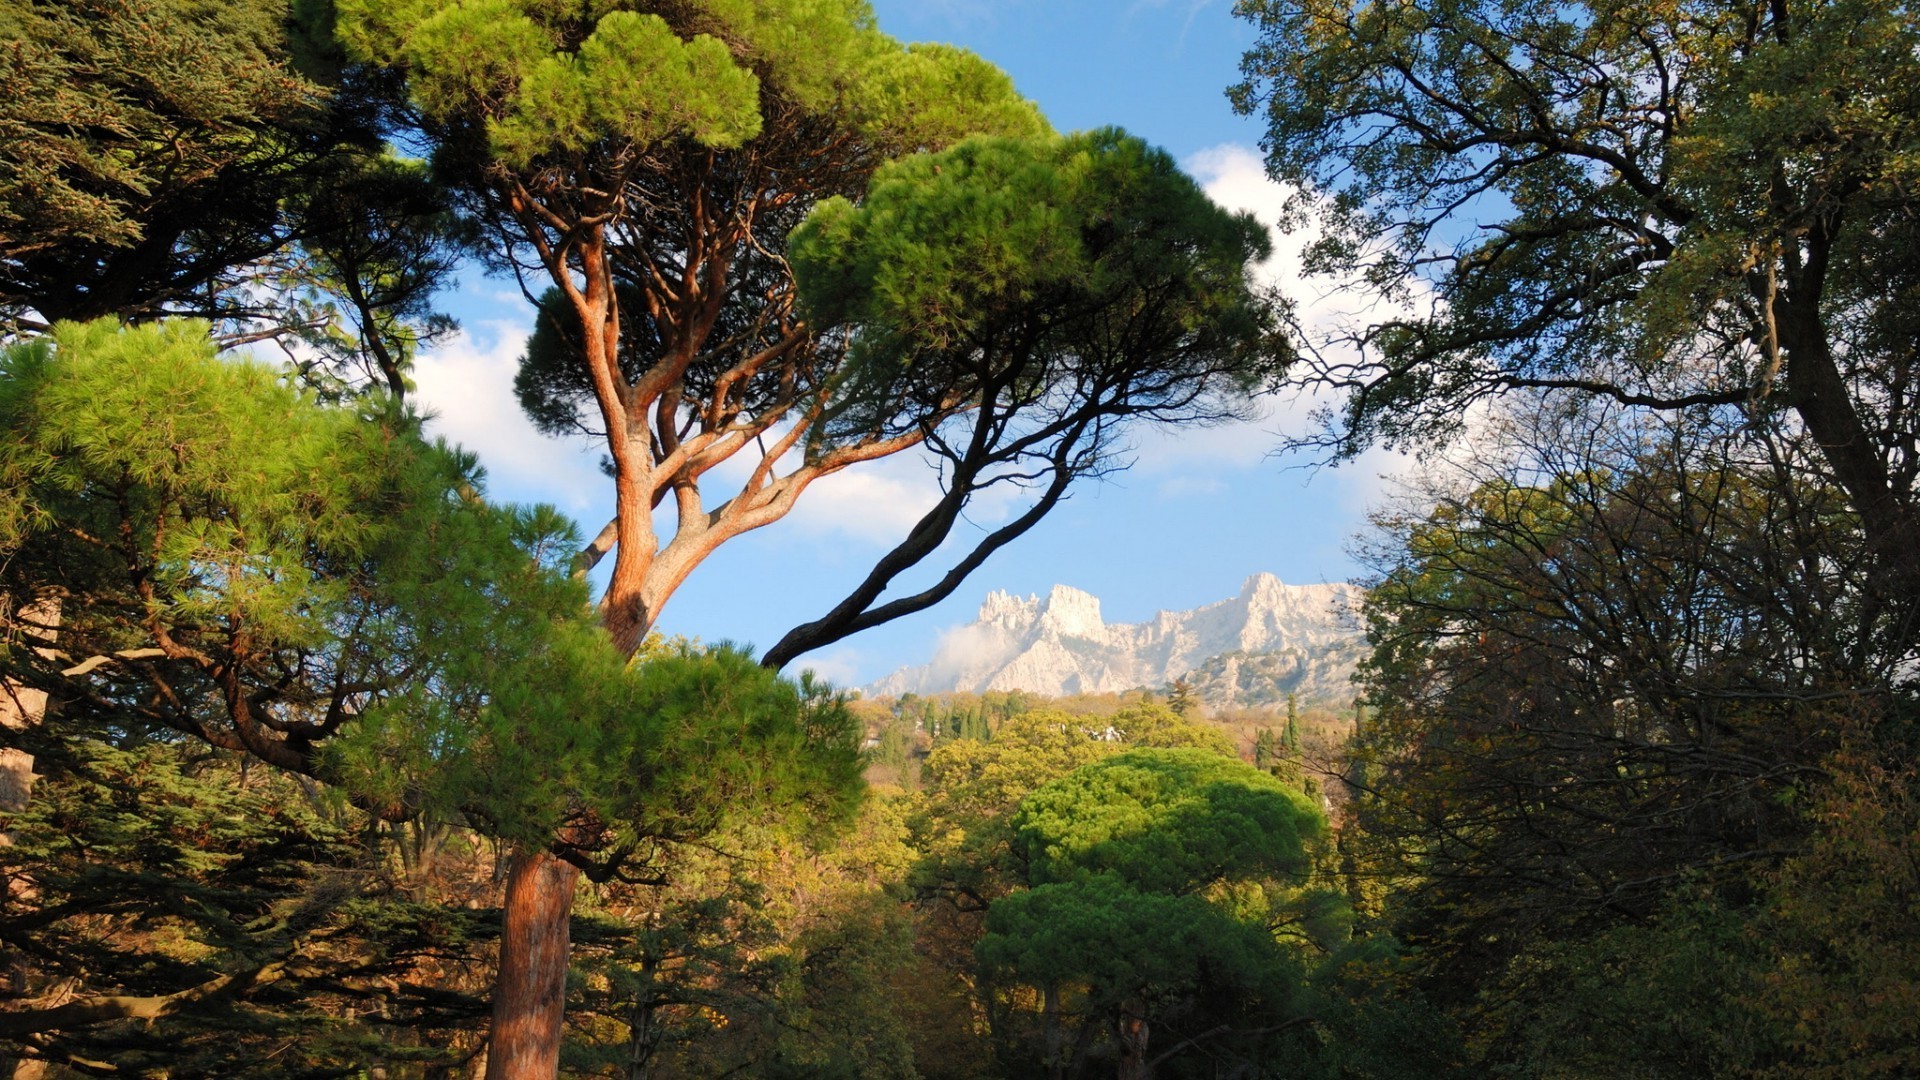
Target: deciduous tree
[
  {"x": 1662, "y": 205},
  {"x": 1605, "y": 677}
]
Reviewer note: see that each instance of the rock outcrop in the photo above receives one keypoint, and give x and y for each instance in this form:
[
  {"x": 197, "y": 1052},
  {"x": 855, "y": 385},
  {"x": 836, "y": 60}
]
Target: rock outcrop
[{"x": 1305, "y": 636}]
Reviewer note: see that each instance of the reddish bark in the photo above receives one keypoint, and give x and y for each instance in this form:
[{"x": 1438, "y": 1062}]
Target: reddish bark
[
  {"x": 530, "y": 993},
  {"x": 1132, "y": 1030}
]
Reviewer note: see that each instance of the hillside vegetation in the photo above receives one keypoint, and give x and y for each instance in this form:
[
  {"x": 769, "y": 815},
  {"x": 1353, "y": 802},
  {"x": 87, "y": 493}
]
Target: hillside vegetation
[{"x": 319, "y": 761}]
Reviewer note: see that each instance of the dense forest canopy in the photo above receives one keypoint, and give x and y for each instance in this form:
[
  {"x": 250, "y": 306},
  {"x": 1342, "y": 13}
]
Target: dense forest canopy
[{"x": 318, "y": 761}]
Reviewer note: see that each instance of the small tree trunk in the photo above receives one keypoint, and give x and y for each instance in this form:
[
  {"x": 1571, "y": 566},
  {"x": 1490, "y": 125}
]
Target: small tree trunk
[
  {"x": 530, "y": 992},
  {"x": 1054, "y": 1038},
  {"x": 21, "y": 707},
  {"x": 643, "y": 1035},
  {"x": 1132, "y": 1031}
]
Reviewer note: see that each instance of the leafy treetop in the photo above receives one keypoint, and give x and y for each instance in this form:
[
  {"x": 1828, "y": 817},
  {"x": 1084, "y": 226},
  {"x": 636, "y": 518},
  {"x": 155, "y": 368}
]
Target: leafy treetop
[
  {"x": 1670, "y": 205},
  {"x": 1169, "y": 821},
  {"x": 1017, "y": 304}
]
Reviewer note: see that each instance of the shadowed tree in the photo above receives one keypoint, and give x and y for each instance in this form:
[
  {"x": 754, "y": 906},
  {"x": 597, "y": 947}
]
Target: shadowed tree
[
  {"x": 1663, "y": 205},
  {"x": 1129, "y": 922},
  {"x": 205, "y": 158},
  {"x": 1607, "y": 678}
]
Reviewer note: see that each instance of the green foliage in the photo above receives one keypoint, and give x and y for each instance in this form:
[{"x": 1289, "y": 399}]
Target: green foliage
[
  {"x": 279, "y": 566},
  {"x": 758, "y": 955},
  {"x": 198, "y": 157},
  {"x": 1816, "y": 96},
  {"x": 546, "y": 81},
  {"x": 379, "y": 240},
  {"x": 128, "y": 122},
  {"x": 1168, "y": 821},
  {"x": 1842, "y": 974},
  {"x": 1122, "y": 942},
  {"x": 666, "y": 972},
  {"x": 669, "y": 747},
  {"x": 1671, "y": 997},
  {"x": 1031, "y": 748},
  {"x": 1546, "y": 655},
  {"x": 240, "y": 908},
  {"x": 1609, "y": 676},
  {"x": 1672, "y": 206},
  {"x": 1154, "y": 882},
  {"x": 1014, "y": 305},
  {"x": 1094, "y": 245},
  {"x": 315, "y": 586}
]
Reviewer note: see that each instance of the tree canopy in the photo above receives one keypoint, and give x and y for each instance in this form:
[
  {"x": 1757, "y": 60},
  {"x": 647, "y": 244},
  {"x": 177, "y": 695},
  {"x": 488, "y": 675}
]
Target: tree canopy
[
  {"x": 238, "y": 563},
  {"x": 1170, "y": 821},
  {"x": 1016, "y": 305},
  {"x": 1703, "y": 204},
  {"x": 1128, "y": 921},
  {"x": 212, "y": 159},
  {"x": 658, "y": 211}
]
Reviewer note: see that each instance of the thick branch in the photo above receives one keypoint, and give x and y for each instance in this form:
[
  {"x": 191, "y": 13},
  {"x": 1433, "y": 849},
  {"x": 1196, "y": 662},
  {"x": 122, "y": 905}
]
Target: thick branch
[{"x": 89, "y": 1012}]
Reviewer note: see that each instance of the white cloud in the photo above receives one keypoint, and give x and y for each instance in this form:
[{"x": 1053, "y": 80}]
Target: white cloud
[
  {"x": 467, "y": 384},
  {"x": 840, "y": 665},
  {"x": 874, "y": 502},
  {"x": 1185, "y": 460},
  {"x": 1235, "y": 176}
]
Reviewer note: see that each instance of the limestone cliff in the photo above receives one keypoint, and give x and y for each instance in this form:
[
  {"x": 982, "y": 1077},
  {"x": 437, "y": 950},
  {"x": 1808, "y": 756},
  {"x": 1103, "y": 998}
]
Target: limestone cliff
[{"x": 1305, "y": 636}]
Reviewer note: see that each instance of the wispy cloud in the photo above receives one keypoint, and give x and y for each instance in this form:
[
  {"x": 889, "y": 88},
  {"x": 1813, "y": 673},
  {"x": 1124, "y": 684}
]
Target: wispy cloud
[
  {"x": 1191, "y": 8},
  {"x": 839, "y": 665},
  {"x": 1235, "y": 176},
  {"x": 467, "y": 385}
]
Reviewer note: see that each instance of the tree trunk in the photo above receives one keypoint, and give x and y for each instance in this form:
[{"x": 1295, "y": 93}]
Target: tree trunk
[
  {"x": 530, "y": 992},
  {"x": 1132, "y": 1030},
  {"x": 1054, "y": 1039},
  {"x": 22, "y": 707}
]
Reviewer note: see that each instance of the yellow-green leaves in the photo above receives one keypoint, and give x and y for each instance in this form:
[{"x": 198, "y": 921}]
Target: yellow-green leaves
[
  {"x": 549, "y": 78},
  {"x": 545, "y": 81},
  {"x": 634, "y": 80},
  {"x": 930, "y": 96},
  {"x": 1166, "y": 820},
  {"x": 809, "y": 51},
  {"x": 646, "y": 83},
  {"x": 939, "y": 234},
  {"x": 202, "y": 506},
  {"x": 377, "y": 31},
  {"x": 1000, "y": 250},
  {"x": 826, "y": 56},
  {"x": 473, "y": 51}
]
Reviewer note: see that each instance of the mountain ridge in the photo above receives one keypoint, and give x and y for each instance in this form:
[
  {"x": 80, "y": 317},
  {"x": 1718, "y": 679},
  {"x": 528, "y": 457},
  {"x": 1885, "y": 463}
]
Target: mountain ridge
[{"x": 1060, "y": 644}]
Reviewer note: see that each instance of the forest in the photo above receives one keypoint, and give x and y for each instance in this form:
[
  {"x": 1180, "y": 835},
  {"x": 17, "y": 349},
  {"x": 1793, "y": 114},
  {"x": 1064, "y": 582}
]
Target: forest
[{"x": 317, "y": 760}]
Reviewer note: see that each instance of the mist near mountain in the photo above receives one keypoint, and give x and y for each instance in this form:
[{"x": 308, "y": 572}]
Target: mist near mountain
[{"x": 1254, "y": 648}]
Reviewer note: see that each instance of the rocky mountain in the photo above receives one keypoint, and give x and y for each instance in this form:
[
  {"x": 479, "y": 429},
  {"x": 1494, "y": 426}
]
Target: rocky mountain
[{"x": 1256, "y": 647}]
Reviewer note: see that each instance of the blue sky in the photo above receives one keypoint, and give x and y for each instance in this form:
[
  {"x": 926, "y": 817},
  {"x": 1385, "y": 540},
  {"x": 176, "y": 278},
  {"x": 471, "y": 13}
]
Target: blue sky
[{"x": 1197, "y": 513}]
